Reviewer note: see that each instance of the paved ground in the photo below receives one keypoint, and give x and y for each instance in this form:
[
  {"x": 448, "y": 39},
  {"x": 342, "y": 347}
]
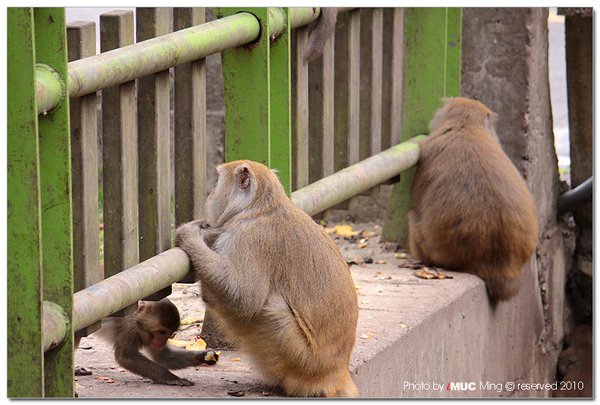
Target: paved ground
[{"x": 392, "y": 301}]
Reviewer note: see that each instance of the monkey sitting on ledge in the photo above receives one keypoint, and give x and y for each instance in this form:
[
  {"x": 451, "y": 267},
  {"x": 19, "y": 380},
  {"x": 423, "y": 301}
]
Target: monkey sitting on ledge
[
  {"x": 471, "y": 209},
  {"x": 149, "y": 328},
  {"x": 278, "y": 283}
]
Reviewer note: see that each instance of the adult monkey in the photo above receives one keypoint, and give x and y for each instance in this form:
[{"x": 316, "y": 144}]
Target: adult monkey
[
  {"x": 277, "y": 282},
  {"x": 471, "y": 209}
]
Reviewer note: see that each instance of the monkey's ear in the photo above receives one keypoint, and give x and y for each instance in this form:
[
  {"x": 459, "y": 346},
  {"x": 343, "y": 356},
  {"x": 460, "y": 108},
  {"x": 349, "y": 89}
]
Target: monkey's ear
[
  {"x": 492, "y": 118},
  {"x": 141, "y": 306},
  {"x": 242, "y": 176}
]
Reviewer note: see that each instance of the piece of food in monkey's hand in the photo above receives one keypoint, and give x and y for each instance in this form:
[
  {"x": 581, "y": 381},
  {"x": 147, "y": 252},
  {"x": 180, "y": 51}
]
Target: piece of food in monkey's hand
[{"x": 209, "y": 357}]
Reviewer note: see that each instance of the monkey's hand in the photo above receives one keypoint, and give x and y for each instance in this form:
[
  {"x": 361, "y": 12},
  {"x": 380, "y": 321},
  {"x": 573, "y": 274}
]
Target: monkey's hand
[
  {"x": 190, "y": 235},
  {"x": 209, "y": 357}
]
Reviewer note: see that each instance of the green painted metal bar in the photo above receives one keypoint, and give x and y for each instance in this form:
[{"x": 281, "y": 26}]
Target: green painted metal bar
[
  {"x": 280, "y": 88},
  {"x": 246, "y": 94},
  {"x": 25, "y": 361},
  {"x": 94, "y": 73},
  {"x": 127, "y": 287},
  {"x": 50, "y": 88},
  {"x": 360, "y": 177},
  {"x": 57, "y": 325},
  {"x": 97, "y": 72},
  {"x": 431, "y": 70},
  {"x": 55, "y": 196}
]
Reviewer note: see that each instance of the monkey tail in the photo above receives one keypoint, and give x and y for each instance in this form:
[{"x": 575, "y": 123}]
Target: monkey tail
[
  {"x": 323, "y": 29},
  {"x": 501, "y": 283}
]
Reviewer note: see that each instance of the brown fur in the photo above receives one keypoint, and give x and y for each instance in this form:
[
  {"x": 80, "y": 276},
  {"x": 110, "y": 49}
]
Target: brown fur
[
  {"x": 321, "y": 31},
  {"x": 471, "y": 209},
  {"x": 280, "y": 287},
  {"x": 149, "y": 328}
]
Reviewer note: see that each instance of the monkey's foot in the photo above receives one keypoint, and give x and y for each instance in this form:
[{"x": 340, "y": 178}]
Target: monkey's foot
[
  {"x": 182, "y": 382},
  {"x": 82, "y": 371}
]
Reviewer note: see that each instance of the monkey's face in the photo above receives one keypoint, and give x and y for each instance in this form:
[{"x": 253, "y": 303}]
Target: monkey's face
[
  {"x": 157, "y": 321},
  {"x": 160, "y": 336}
]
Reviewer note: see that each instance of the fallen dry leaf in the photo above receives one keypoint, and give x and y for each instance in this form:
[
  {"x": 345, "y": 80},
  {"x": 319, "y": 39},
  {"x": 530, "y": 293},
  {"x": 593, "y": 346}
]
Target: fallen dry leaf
[
  {"x": 362, "y": 245},
  {"x": 236, "y": 359},
  {"x": 178, "y": 343},
  {"x": 401, "y": 256},
  {"x": 365, "y": 336},
  {"x": 428, "y": 274},
  {"x": 197, "y": 345},
  {"x": 380, "y": 262},
  {"x": 190, "y": 320},
  {"x": 236, "y": 393},
  {"x": 345, "y": 231}
]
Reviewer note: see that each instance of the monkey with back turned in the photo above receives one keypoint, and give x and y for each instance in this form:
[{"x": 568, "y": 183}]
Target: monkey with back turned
[
  {"x": 278, "y": 283},
  {"x": 471, "y": 209},
  {"x": 149, "y": 328}
]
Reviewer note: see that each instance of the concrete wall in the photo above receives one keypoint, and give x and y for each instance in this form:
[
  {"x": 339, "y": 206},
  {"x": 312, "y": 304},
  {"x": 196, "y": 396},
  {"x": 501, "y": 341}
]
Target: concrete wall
[{"x": 505, "y": 65}]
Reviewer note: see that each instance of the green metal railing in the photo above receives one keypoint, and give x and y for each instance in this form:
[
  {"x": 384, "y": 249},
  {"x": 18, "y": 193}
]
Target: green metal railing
[{"x": 43, "y": 312}]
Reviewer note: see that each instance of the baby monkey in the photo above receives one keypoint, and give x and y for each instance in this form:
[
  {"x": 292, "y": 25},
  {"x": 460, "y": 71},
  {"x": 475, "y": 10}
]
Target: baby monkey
[
  {"x": 149, "y": 328},
  {"x": 471, "y": 209}
]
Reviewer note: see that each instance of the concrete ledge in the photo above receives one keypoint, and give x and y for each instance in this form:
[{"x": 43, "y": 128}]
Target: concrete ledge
[{"x": 411, "y": 334}]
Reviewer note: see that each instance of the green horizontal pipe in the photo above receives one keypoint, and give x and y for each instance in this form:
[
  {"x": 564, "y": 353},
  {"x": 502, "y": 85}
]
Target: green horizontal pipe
[
  {"x": 97, "y": 72},
  {"x": 54, "y": 325},
  {"x": 127, "y": 287},
  {"x": 300, "y": 16},
  {"x": 355, "y": 179},
  {"x": 107, "y": 69},
  {"x": 49, "y": 88},
  {"x": 157, "y": 54}
]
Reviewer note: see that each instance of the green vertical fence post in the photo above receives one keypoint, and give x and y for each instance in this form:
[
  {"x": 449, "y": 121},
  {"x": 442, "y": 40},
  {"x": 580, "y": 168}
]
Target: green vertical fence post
[
  {"x": 257, "y": 89},
  {"x": 55, "y": 196},
  {"x": 25, "y": 361},
  {"x": 431, "y": 71},
  {"x": 246, "y": 94},
  {"x": 280, "y": 110}
]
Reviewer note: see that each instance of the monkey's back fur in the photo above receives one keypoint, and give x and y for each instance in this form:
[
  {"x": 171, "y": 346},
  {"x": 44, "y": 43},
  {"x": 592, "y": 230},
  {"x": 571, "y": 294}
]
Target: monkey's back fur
[{"x": 471, "y": 208}]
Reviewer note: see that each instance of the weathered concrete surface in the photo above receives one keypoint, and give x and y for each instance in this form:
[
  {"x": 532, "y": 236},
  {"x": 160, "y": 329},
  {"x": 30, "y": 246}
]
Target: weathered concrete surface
[{"x": 505, "y": 65}]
